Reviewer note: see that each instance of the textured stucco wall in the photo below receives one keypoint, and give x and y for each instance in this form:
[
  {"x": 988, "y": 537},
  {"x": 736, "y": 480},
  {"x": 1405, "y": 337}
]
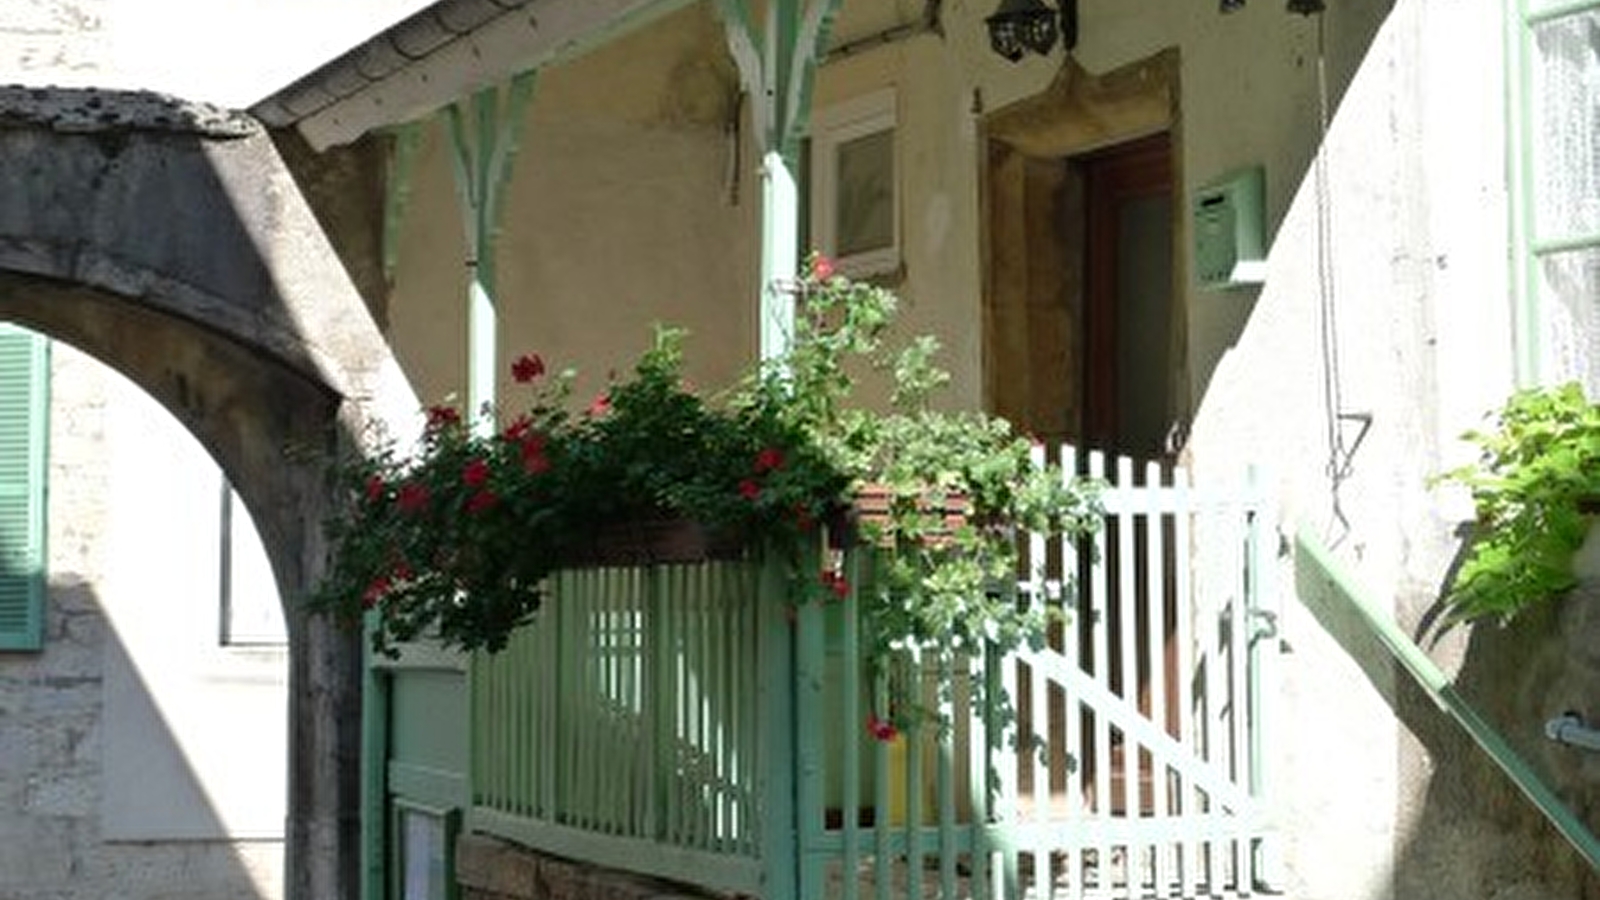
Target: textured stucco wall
[
  {"x": 1404, "y": 318},
  {"x": 627, "y": 206}
]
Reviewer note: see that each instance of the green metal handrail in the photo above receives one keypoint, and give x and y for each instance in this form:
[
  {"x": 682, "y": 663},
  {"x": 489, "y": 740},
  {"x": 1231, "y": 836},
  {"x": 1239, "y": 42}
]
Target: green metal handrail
[{"x": 1437, "y": 685}]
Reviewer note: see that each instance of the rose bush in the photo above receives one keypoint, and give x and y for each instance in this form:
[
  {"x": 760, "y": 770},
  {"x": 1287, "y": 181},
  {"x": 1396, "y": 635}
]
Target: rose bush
[{"x": 454, "y": 539}]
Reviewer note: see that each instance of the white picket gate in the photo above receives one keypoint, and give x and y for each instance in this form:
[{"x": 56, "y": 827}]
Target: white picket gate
[
  {"x": 1152, "y": 782},
  {"x": 1129, "y": 762}
]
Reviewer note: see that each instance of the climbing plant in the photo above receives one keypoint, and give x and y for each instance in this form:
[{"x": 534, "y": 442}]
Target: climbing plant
[{"x": 1536, "y": 488}]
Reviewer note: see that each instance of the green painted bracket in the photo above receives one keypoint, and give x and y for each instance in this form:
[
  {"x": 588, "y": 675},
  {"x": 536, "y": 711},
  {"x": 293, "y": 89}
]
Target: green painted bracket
[
  {"x": 778, "y": 64},
  {"x": 483, "y": 169},
  {"x": 397, "y": 192},
  {"x": 483, "y": 159},
  {"x": 1310, "y": 551}
]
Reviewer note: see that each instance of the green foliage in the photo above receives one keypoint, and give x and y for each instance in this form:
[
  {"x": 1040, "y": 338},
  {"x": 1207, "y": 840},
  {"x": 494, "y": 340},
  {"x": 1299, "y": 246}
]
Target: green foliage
[
  {"x": 1535, "y": 487},
  {"x": 455, "y": 539}
]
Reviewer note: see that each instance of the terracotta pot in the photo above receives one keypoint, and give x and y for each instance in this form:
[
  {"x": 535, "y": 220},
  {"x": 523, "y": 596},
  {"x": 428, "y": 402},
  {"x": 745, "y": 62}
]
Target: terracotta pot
[{"x": 873, "y": 504}]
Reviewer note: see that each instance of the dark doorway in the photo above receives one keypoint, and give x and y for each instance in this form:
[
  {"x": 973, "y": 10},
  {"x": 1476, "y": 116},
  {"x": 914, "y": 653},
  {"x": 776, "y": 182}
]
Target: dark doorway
[{"x": 1128, "y": 307}]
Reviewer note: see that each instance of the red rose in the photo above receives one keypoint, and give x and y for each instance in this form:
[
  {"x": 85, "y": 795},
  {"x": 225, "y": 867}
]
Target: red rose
[
  {"x": 375, "y": 592},
  {"x": 749, "y": 490},
  {"x": 769, "y": 459},
  {"x": 600, "y": 406},
  {"x": 527, "y": 367},
  {"x": 413, "y": 497},
  {"x": 481, "y": 501},
  {"x": 517, "y": 430},
  {"x": 822, "y": 268},
  {"x": 838, "y": 584},
  {"x": 441, "y": 417},
  {"x": 533, "y": 459},
  {"x": 475, "y": 473},
  {"x": 375, "y": 489},
  {"x": 881, "y": 729}
]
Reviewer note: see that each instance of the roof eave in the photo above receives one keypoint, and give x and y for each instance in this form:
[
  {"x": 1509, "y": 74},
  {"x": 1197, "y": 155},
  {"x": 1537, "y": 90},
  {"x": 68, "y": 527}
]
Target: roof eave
[{"x": 444, "y": 52}]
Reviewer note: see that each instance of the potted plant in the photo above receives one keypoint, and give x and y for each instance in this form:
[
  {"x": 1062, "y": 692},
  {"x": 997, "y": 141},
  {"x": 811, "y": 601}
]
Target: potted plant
[
  {"x": 1536, "y": 490},
  {"x": 454, "y": 539}
]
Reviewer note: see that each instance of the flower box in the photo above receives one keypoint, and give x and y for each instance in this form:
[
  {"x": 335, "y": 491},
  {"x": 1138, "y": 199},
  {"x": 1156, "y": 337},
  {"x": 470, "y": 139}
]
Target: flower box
[{"x": 654, "y": 541}]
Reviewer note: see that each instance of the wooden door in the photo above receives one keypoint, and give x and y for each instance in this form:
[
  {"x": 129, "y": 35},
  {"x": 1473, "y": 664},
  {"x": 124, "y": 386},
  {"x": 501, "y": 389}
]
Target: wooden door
[{"x": 1128, "y": 307}]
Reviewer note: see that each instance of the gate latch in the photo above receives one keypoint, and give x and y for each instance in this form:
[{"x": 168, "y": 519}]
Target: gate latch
[{"x": 1263, "y": 624}]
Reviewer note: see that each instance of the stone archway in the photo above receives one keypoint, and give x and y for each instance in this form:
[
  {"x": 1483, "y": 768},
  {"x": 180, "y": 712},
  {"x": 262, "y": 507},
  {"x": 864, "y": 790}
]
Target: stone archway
[{"x": 169, "y": 240}]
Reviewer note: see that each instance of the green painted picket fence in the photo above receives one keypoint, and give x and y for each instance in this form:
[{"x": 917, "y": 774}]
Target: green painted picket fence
[{"x": 687, "y": 721}]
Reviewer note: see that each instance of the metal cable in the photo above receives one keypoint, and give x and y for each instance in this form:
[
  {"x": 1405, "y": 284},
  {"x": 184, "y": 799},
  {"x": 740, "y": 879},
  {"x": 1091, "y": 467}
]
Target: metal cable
[{"x": 1339, "y": 462}]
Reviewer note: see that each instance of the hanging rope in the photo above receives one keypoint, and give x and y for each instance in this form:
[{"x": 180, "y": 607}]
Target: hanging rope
[{"x": 1339, "y": 468}]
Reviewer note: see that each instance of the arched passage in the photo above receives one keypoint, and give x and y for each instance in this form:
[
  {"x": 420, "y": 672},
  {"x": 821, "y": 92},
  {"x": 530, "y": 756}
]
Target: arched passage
[{"x": 169, "y": 241}]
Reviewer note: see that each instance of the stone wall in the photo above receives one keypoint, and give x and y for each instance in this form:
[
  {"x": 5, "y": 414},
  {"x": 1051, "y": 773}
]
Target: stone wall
[
  {"x": 491, "y": 869},
  {"x": 1473, "y": 835}
]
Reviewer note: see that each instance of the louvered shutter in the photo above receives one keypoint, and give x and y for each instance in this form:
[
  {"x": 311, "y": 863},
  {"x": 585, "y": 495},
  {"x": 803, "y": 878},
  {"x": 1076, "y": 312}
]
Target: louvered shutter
[{"x": 24, "y": 384}]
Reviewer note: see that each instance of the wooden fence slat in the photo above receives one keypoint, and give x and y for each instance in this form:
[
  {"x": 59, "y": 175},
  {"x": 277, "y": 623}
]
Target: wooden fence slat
[
  {"x": 810, "y": 626},
  {"x": 946, "y": 777},
  {"x": 1155, "y": 576},
  {"x": 1127, "y": 669},
  {"x": 914, "y": 780},
  {"x": 1100, "y": 657},
  {"x": 882, "y": 780},
  {"x": 849, "y": 699}
]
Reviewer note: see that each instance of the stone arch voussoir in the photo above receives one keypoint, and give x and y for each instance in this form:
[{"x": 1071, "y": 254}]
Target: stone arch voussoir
[{"x": 169, "y": 240}]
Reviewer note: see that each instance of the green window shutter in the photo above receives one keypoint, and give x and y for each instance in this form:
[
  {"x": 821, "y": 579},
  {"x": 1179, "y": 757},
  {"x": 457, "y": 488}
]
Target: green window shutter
[{"x": 24, "y": 386}]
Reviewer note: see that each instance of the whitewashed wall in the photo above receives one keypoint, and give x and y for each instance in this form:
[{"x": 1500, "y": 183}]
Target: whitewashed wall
[{"x": 139, "y": 759}]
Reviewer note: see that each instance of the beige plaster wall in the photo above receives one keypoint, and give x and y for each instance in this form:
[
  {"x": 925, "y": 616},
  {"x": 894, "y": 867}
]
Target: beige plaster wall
[{"x": 631, "y": 203}]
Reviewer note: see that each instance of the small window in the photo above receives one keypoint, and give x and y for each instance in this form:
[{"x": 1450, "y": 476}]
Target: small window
[
  {"x": 424, "y": 838},
  {"x": 854, "y": 202},
  {"x": 252, "y": 615}
]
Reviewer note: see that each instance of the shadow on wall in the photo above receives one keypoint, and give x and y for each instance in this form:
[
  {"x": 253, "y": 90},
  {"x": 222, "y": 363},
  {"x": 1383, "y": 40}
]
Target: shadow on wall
[
  {"x": 1474, "y": 835},
  {"x": 69, "y": 833}
]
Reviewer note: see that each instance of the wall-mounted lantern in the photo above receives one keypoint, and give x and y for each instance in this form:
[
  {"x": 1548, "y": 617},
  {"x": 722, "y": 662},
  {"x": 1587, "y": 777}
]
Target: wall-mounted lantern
[{"x": 1019, "y": 26}]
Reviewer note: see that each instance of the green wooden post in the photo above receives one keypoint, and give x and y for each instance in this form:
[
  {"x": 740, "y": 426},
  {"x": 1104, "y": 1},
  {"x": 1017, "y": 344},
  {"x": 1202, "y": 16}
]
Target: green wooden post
[
  {"x": 778, "y": 67},
  {"x": 775, "y": 690},
  {"x": 849, "y": 661},
  {"x": 810, "y": 626},
  {"x": 374, "y": 767},
  {"x": 483, "y": 169}
]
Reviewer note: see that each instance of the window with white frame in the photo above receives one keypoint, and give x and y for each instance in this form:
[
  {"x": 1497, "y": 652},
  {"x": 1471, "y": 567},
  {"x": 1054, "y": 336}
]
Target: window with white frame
[
  {"x": 1556, "y": 146},
  {"x": 251, "y": 614},
  {"x": 855, "y": 209}
]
